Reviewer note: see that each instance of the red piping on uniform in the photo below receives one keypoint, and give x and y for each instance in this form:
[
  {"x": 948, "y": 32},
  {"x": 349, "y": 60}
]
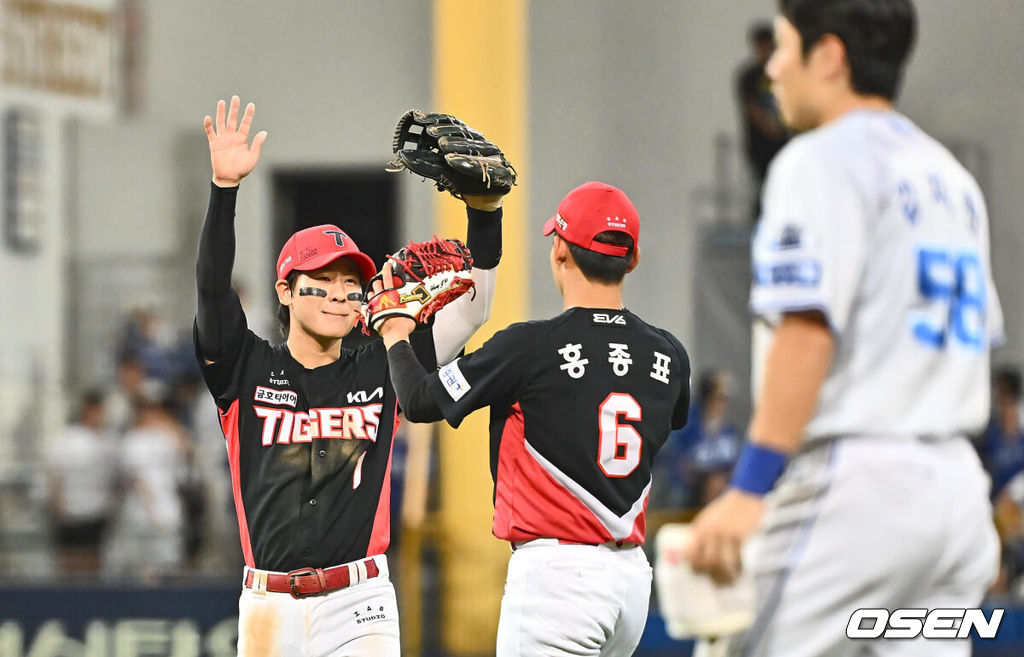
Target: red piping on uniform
[
  {"x": 229, "y": 424},
  {"x": 529, "y": 502},
  {"x": 380, "y": 535}
]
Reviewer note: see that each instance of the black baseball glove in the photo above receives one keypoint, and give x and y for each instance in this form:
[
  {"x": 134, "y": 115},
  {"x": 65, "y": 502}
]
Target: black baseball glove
[{"x": 458, "y": 158}]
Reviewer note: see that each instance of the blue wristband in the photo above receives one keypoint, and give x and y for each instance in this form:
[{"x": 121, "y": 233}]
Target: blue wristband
[{"x": 758, "y": 468}]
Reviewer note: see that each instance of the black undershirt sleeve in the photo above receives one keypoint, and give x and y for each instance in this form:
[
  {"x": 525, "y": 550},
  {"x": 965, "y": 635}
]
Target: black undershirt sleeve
[
  {"x": 483, "y": 237},
  {"x": 220, "y": 322},
  {"x": 411, "y": 383},
  {"x": 423, "y": 346}
]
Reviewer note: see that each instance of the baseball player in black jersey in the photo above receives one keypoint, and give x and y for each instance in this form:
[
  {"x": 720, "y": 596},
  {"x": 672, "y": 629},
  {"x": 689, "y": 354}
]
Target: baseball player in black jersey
[
  {"x": 580, "y": 405},
  {"x": 309, "y": 424}
]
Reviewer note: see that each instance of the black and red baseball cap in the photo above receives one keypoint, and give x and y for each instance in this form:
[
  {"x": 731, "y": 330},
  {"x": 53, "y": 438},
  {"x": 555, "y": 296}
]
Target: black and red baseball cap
[
  {"x": 319, "y": 246},
  {"x": 594, "y": 208}
]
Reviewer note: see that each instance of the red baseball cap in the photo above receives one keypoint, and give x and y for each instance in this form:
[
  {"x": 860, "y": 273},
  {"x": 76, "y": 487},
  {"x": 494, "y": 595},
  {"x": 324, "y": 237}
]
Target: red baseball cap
[
  {"x": 319, "y": 246},
  {"x": 593, "y": 208}
]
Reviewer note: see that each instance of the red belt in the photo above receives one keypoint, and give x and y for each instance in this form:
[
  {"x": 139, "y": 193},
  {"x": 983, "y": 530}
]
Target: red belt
[{"x": 306, "y": 582}]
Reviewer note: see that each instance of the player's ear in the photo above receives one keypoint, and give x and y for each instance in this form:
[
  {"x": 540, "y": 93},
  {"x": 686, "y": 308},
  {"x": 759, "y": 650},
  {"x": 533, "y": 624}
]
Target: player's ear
[
  {"x": 284, "y": 292},
  {"x": 634, "y": 261},
  {"x": 560, "y": 251},
  {"x": 828, "y": 57}
]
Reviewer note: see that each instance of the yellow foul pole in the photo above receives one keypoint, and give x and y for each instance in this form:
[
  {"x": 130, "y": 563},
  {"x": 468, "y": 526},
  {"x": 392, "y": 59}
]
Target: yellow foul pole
[{"x": 480, "y": 76}]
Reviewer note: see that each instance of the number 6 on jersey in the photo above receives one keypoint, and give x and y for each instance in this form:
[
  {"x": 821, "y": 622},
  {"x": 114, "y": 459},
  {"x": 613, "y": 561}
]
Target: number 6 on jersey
[{"x": 620, "y": 445}]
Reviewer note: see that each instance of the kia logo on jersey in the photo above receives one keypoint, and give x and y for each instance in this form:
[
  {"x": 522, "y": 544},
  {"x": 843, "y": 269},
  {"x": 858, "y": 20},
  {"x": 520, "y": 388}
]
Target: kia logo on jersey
[{"x": 360, "y": 396}]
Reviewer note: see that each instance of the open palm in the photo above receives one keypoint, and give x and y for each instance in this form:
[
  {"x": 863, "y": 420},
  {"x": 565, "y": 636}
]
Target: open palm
[{"x": 231, "y": 155}]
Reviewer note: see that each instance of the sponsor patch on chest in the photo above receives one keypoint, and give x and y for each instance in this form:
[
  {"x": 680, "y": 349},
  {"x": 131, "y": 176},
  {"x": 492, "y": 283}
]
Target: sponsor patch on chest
[{"x": 272, "y": 396}]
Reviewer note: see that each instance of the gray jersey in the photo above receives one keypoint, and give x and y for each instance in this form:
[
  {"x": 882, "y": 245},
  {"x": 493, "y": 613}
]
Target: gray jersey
[{"x": 875, "y": 224}]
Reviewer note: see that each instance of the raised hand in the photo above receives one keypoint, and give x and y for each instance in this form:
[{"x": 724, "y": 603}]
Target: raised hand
[
  {"x": 231, "y": 155},
  {"x": 397, "y": 327}
]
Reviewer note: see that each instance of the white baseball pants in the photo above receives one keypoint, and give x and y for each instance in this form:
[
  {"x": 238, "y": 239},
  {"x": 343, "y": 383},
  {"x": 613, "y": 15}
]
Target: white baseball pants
[
  {"x": 872, "y": 522},
  {"x": 358, "y": 621},
  {"x": 574, "y": 600}
]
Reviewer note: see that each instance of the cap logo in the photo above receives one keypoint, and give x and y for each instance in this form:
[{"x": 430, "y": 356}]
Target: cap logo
[
  {"x": 561, "y": 222},
  {"x": 615, "y": 222},
  {"x": 339, "y": 237}
]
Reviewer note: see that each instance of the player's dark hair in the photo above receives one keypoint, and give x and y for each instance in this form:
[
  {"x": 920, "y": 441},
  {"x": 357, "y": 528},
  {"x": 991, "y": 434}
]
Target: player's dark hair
[
  {"x": 878, "y": 36},
  {"x": 602, "y": 268},
  {"x": 284, "y": 314}
]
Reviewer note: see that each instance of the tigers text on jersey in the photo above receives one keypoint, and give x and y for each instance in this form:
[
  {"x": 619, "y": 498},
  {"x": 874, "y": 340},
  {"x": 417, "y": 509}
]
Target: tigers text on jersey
[
  {"x": 309, "y": 450},
  {"x": 875, "y": 224},
  {"x": 580, "y": 404}
]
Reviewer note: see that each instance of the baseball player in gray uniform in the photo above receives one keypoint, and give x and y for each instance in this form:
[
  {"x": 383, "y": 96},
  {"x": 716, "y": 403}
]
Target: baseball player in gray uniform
[{"x": 871, "y": 265}]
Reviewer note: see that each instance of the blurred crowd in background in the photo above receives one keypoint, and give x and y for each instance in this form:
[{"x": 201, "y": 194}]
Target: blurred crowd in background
[{"x": 138, "y": 482}]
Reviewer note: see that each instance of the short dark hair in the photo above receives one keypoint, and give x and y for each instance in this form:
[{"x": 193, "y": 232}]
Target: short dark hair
[
  {"x": 878, "y": 36},
  {"x": 600, "y": 267},
  {"x": 760, "y": 31},
  {"x": 284, "y": 314},
  {"x": 707, "y": 384},
  {"x": 90, "y": 399},
  {"x": 1008, "y": 379}
]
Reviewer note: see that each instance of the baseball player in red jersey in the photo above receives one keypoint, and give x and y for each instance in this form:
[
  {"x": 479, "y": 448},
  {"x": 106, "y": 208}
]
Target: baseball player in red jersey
[
  {"x": 580, "y": 405},
  {"x": 309, "y": 424}
]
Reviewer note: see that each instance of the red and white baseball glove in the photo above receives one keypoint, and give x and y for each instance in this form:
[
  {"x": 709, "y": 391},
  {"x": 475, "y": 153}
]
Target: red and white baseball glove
[{"x": 424, "y": 277}]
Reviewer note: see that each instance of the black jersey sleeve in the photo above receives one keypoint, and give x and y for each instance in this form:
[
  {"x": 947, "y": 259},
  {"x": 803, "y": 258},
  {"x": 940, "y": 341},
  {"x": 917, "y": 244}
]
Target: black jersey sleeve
[
  {"x": 682, "y": 409},
  {"x": 220, "y": 323},
  {"x": 493, "y": 374}
]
